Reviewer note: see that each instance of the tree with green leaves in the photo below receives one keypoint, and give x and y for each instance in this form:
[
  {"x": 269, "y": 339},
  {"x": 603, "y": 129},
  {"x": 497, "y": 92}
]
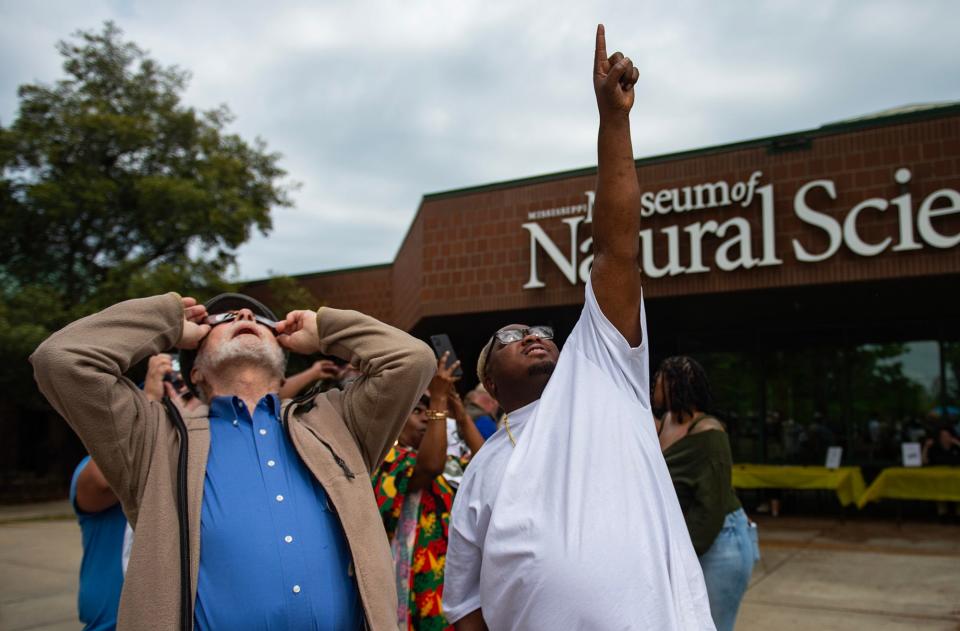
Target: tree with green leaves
[{"x": 110, "y": 188}]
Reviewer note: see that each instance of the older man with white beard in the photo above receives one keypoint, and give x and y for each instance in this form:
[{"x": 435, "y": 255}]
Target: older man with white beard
[{"x": 249, "y": 512}]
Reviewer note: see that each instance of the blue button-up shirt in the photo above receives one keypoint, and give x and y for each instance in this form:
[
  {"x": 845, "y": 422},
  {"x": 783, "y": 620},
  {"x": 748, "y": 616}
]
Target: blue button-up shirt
[{"x": 272, "y": 551}]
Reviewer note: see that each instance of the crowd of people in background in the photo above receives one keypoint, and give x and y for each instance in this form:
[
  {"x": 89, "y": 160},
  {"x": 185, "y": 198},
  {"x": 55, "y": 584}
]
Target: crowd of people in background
[{"x": 877, "y": 437}]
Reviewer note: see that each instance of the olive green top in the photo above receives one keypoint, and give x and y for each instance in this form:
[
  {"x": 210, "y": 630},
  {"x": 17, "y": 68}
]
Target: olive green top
[{"x": 701, "y": 468}]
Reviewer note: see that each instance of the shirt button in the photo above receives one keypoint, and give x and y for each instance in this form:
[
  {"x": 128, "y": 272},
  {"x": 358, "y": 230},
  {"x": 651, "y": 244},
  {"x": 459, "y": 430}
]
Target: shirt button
[
  {"x": 279, "y": 498},
  {"x": 288, "y": 539},
  {"x": 235, "y": 422},
  {"x": 263, "y": 432},
  {"x": 271, "y": 463},
  {"x": 296, "y": 589}
]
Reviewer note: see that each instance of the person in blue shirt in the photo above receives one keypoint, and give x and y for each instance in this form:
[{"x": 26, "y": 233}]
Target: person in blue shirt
[
  {"x": 483, "y": 408},
  {"x": 105, "y": 537}
]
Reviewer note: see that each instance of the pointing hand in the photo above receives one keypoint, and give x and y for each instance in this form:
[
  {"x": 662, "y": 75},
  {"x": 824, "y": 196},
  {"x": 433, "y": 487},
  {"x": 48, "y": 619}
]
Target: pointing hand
[{"x": 613, "y": 78}]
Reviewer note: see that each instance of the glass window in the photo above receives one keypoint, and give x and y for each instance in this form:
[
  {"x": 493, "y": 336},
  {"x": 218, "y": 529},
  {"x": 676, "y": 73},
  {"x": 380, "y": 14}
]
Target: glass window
[
  {"x": 895, "y": 392},
  {"x": 788, "y": 405},
  {"x": 805, "y": 404},
  {"x": 735, "y": 386},
  {"x": 950, "y": 411}
]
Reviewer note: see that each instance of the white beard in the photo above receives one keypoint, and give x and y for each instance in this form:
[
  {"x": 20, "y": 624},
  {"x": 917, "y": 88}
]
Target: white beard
[{"x": 239, "y": 350}]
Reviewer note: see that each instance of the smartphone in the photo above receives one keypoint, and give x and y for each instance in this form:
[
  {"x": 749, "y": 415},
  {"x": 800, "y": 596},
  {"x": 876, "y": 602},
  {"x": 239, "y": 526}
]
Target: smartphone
[
  {"x": 174, "y": 376},
  {"x": 441, "y": 344}
]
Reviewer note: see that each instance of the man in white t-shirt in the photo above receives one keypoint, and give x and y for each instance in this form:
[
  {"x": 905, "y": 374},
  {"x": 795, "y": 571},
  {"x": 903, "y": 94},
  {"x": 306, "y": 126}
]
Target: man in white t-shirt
[{"x": 567, "y": 518}]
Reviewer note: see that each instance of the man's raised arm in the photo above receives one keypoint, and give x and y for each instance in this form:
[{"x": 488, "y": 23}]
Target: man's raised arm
[
  {"x": 616, "y": 215},
  {"x": 396, "y": 368},
  {"x": 80, "y": 370}
]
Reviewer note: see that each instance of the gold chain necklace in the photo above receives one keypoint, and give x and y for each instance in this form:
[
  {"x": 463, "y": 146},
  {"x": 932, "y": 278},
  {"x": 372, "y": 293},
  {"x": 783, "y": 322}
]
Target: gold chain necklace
[{"x": 506, "y": 424}]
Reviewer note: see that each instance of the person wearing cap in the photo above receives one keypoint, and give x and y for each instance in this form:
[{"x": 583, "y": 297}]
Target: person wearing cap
[
  {"x": 567, "y": 518},
  {"x": 249, "y": 512}
]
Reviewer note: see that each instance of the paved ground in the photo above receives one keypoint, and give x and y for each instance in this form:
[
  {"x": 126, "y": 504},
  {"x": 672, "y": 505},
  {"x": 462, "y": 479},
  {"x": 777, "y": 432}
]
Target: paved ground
[
  {"x": 816, "y": 574},
  {"x": 828, "y": 575},
  {"x": 39, "y": 561}
]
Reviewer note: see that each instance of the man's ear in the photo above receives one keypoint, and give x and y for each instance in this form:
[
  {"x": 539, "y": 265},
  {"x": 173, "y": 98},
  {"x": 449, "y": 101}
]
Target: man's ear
[{"x": 196, "y": 377}]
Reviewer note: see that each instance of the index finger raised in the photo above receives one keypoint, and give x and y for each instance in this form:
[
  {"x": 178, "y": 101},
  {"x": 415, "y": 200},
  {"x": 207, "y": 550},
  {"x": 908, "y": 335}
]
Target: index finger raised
[{"x": 600, "y": 54}]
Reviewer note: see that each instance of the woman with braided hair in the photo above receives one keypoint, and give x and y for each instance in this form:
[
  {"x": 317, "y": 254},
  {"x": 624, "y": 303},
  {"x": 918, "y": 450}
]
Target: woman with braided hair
[{"x": 697, "y": 451}]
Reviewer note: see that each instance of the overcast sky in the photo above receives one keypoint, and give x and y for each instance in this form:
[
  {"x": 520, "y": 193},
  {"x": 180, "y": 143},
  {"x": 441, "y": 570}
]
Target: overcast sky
[{"x": 373, "y": 104}]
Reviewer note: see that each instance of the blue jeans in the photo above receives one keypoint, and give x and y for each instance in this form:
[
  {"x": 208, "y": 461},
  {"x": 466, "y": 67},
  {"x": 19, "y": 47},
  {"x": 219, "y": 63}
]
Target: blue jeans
[{"x": 727, "y": 566}]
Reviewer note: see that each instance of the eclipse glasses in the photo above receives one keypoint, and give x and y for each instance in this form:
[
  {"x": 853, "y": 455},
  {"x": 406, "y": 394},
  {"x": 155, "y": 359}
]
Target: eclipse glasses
[{"x": 230, "y": 316}]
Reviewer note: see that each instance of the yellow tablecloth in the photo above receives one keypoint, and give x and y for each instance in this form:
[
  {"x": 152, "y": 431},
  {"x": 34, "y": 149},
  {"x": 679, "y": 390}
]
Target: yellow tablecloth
[
  {"x": 846, "y": 481},
  {"x": 915, "y": 483}
]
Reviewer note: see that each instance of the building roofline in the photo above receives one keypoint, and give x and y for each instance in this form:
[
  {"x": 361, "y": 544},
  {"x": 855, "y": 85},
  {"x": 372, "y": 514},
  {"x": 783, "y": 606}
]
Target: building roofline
[
  {"x": 771, "y": 142},
  {"x": 310, "y": 275}
]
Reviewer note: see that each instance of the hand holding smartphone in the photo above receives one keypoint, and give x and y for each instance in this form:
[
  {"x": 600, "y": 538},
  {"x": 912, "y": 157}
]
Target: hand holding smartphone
[{"x": 441, "y": 344}]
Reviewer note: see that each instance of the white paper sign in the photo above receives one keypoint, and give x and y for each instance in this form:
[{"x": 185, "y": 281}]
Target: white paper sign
[
  {"x": 834, "y": 455},
  {"x": 911, "y": 454}
]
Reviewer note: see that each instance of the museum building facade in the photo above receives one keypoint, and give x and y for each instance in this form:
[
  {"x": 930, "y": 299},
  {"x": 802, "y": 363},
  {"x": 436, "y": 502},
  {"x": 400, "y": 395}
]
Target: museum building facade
[{"x": 816, "y": 276}]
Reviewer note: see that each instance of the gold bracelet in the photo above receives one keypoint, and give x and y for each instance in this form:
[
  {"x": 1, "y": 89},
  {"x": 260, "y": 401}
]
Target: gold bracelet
[{"x": 436, "y": 415}]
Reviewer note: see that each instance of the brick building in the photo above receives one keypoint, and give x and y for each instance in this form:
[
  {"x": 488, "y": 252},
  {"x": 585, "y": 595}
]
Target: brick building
[{"x": 815, "y": 275}]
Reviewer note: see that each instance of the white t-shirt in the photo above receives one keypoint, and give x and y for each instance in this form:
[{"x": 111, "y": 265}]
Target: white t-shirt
[{"x": 578, "y": 526}]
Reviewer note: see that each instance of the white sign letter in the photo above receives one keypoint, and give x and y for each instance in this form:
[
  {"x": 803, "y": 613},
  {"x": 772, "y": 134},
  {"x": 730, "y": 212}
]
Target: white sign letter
[
  {"x": 904, "y": 204},
  {"x": 769, "y": 234},
  {"x": 927, "y": 212},
  {"x": 696, "y": 232},
  {"x": 741, "y": 239},
  {"x": 567, "y": 266},
  {"x": 827, "y": 223},
  {"x": 673, "y": 266},
  {"x": 852, "y": 237}
]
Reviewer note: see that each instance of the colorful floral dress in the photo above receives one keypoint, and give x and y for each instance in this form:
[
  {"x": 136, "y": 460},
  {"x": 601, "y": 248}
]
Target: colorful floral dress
[{"x": 416, "y": 523}]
